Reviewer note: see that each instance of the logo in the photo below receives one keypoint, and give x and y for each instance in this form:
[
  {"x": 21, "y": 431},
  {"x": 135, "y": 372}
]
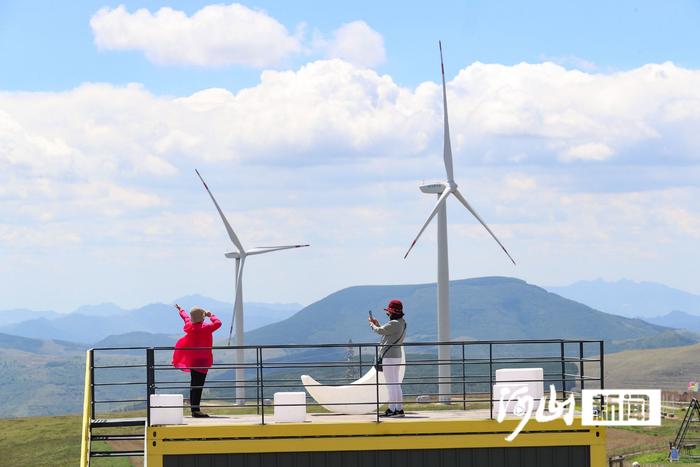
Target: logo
[
  {"x": 621, "y": 407},
  {"x": 599, "y": 407}
]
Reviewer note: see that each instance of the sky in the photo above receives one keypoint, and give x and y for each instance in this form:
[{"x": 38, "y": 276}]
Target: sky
[{"x": 574, "y": 132}]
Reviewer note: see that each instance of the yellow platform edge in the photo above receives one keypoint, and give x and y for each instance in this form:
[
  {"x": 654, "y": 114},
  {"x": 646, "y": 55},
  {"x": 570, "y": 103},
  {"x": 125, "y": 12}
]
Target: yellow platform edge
[{"x": 360, "y": 436}]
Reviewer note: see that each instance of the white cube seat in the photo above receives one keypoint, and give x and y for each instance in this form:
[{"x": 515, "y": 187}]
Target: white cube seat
[
  {"x": 515, "y": 378},
  {"x": 290, "y": 407},
  {"x": 166, "y": 409}
]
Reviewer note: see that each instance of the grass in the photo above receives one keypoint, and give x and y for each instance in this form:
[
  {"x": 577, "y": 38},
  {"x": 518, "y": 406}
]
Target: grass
[
  {"x": 667, "y": 368},
  {"x": 45, "y": 441},
  {"x": 48, "y": 441},
  {"x": 660, "y": 458}
]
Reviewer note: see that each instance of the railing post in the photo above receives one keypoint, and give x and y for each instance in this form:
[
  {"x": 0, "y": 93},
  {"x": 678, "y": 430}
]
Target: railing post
[
  {"x": 91, "y": 353},
  {"x": 563, "y": 371},
  {"x": 258, "y": 397},
  {"x": 150, "y": 382},
  {"x": 262, "y": 387},
  {"x": 602, "y": 364},
  {"x": 580, "y": 362},
  {"x": 360, "y": 347},
  {"x": 491, "y": 379},
  {"x": 464, "y": 383},
  {"x": 602, "y": 373},
  {"x": 376, "y": 372}
]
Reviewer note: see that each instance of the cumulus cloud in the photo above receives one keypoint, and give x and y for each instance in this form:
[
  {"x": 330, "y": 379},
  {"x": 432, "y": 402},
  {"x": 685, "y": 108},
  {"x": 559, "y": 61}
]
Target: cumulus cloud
[
  {"x": 357, "y": 43},
  {"x": 588, "y": 152},
  {"x": 215, "y": 35},
  {"x": 219, "y": 35},
  {"x": 336, "y": 145}
]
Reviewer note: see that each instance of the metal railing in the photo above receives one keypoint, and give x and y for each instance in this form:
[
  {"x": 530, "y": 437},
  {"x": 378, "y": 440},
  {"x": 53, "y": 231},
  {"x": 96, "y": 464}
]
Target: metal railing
[{"x": 123, "y": 378}]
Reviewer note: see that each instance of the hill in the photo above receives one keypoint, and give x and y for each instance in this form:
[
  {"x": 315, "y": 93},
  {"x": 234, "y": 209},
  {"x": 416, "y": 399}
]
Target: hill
[
  {"x": 629, "y": 298},
  {"x": 38, "y": 346},
  {"x": 677, "y": 319},
  {"x": 138, "y": 339},
  {"x": 669, "y": 368},
  {"x": 482, "y": 308}
]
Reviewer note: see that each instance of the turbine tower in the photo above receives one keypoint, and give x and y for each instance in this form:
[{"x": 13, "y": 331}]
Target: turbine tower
[
  {"x": 240, "y": 257},
  {"x": 443, "y": 191}
]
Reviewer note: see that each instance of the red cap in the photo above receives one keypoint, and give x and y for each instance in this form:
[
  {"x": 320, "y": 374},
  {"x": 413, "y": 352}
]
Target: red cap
[{"x": 394, "y": 306}]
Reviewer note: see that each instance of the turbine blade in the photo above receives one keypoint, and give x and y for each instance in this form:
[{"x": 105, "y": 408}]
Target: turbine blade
[
  {"x": 461, "y": 199},
  {"x": 266, "y": 249},
  {"x": 440, "y": 201},
  {"x": 229, "y": 229},
  {"x": 447, "y": 146}
]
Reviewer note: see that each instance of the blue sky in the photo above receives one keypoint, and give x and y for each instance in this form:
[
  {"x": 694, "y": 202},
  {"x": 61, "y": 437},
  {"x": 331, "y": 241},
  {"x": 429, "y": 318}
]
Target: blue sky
[
  {"x": 574, "y": 128},
  {"x": 49, "y": 45}
]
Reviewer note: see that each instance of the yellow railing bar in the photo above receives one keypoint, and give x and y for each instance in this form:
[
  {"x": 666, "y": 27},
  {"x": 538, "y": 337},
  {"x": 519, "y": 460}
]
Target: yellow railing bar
[{"x": 87, "y": 416}]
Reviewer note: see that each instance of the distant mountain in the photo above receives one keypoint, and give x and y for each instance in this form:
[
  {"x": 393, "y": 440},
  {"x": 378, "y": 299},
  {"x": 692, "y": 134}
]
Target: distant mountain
[
  {"x": 482, "y": 308},
  {"x": 102, "y": 309},
  {"x": 37, "y": 346},
  {"x": 18, "y": 315},
  {"x": 629, "y": 298},
  {"x": 256, "y": 314},
  {"x": 96, "y": 322},
  {"x": 677, "y": 319},
  {"x": 138, "y": 339}
]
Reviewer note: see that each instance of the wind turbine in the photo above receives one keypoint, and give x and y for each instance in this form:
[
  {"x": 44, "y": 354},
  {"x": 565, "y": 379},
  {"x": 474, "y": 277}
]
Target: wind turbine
[
  {"x": 443, "y": 191},
  {"x": 240, "y": 255}
]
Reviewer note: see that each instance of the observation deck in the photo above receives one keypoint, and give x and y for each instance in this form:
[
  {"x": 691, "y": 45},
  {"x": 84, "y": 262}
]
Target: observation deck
[{"x": 465, "y": 432}]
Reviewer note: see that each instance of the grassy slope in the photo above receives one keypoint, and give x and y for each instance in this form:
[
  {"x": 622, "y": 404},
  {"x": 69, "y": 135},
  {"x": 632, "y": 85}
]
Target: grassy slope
[
  {"x": 46, "y": 441},
  {"x": 669, "y": 368}
]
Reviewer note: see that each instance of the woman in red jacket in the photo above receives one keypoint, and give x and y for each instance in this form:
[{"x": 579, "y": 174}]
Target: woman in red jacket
[{"x": 196, "y": 361}]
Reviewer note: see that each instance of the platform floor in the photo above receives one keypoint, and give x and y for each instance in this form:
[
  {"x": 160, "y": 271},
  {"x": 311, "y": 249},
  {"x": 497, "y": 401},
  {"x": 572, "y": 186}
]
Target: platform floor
[{"x": 254, "y": 419}]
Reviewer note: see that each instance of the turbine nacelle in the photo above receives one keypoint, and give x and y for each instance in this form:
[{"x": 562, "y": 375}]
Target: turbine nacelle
[{"x": 433, "y": 188}]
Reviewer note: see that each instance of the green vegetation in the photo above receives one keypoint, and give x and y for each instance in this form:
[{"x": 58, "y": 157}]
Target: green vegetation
[
  {"x": 47, "y": 441},
  {"x": 669, "y": 368}
]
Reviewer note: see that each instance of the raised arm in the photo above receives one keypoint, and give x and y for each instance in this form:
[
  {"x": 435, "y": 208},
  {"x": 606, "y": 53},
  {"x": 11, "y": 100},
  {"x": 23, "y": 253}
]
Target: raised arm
[
  {"x": 214, "y": 324},
  {"x": 388, "y": 328}
]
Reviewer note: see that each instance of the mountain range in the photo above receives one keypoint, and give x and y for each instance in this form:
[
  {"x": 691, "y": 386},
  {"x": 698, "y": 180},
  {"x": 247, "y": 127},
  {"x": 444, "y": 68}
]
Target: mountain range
[
  {"x": 47, "y": 370},
  {"x": 93, "y": 323},
  {"x": 482, "y": 308},
  {"x": 677, "y": 320},
  {"x": 629, "y": 298}
]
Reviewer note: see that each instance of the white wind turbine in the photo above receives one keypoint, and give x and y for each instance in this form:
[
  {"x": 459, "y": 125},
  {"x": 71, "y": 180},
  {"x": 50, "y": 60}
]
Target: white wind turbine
[
  {"x": 443, "y": 190},
  {"x": 240, "y": 257}
]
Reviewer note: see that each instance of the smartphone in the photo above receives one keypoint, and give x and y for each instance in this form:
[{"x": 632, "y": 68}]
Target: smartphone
[{"x": 370, "y": 314}]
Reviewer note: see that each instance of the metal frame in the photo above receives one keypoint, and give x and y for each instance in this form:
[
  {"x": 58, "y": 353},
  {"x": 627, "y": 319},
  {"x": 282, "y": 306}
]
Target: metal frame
[{"x": 263, "y": 370}]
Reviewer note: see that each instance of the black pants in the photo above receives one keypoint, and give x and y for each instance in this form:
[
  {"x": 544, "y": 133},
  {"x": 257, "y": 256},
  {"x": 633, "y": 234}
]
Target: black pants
[{"x": 196, "y": 383}]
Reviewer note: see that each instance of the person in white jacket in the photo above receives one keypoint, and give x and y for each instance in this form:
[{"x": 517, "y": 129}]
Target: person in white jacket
[{"x": 390, "y": 350}]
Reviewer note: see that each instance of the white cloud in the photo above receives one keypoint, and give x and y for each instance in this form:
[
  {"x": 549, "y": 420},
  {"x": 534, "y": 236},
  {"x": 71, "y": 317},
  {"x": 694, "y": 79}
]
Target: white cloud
[
  {"x": 588, "y": 152},
  {"x": 357, "y": 43},
  {"x": 219, "y": 35},
  {"x": 332, "y": 154},
  {"x": 213, "y": 36}
]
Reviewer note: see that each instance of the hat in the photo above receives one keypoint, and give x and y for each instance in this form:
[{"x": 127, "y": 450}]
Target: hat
[
  {"x": 197, "y": 315},
  {"x": 394, "y": 306}
]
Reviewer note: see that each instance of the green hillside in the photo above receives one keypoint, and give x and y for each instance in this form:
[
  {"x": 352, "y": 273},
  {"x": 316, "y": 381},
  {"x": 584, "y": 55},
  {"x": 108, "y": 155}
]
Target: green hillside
[
  {"x": 669, "y": 368},
  {"x": 481, "y": 308},
  {"x": 46, "y": 442}
]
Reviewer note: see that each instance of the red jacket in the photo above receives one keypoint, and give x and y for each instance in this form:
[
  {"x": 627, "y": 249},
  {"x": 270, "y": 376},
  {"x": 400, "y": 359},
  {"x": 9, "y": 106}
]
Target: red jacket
[{"x": 196, "y": 335}]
